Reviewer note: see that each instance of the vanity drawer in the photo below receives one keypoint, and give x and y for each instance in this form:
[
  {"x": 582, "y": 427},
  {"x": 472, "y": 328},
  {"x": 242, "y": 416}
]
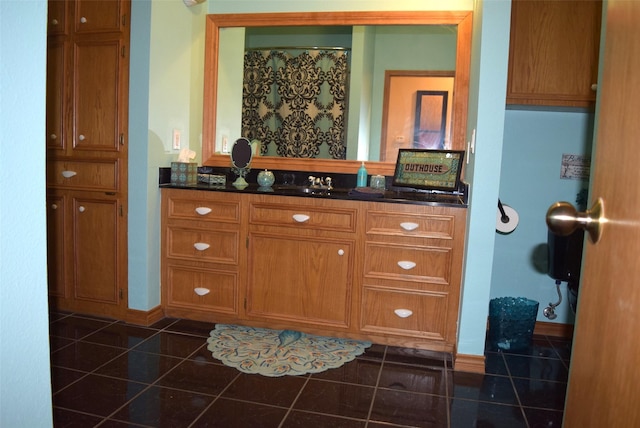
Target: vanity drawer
[
  {"x": 213, "y": 246},
  {"x": 318, "y": 216},
  {"x": 83, "y": 175},
  {"x": 406, "y": 224},
  {"x": 202, "y": 206},
  {"x": 423, "y": 264},
  {"x": 197, "y": 288},
  {"x": 404, "y": 313}
]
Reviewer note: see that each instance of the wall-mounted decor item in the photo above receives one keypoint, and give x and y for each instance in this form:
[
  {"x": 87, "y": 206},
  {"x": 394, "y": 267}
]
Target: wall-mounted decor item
[{"x": 430, "y": 119}]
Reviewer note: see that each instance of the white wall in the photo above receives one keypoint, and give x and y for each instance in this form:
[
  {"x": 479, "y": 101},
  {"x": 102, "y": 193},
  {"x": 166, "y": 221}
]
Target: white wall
[{"x": 25, "y": 388}]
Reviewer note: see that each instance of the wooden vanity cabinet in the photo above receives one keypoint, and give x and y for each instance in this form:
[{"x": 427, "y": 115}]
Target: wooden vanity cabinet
[
  {"x": 332, "y": 267},
  {"x": 301, "y": 260},
  {"x": 201, "y": 239},
  {"x": 412, "y": 272},
  {"x": 553, "y": 52}
]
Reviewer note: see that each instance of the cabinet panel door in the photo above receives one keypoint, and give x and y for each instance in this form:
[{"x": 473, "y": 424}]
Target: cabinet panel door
[
  {"x": 56, "y": 90},
  {"x": 201, "y": 288},
  {"x": 213, "y": 246},
  {"x": 553, "y": 53},
  {"x": 95, "y": 227},
  {"x": 57, "y": 16},
  {"x": 426, "y": 316},
  {"x": 96, "y": 86},
  {"x": 426, "y": 265},
  {"x": 56, "y": 245},
  {"x": 97, "y": 15},
  {"x": 300, "y": 279}
]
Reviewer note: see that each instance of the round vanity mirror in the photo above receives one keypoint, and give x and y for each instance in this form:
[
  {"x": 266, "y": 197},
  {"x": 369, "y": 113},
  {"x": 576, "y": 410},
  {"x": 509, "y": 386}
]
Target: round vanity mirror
[{"x": 241, "y": 154}]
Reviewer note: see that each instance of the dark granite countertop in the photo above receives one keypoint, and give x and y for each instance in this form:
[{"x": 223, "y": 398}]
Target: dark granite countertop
[{"x": 343, "y": 190}]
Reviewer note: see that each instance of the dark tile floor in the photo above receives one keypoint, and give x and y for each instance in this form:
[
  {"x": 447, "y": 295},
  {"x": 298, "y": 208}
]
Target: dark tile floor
[{"x": 110, "y": 374}]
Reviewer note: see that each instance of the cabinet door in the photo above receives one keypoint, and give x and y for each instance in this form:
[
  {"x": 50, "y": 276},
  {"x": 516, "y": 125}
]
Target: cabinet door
[
  {"x": 96, "y": 102},
  {"x": 95, "y": 251},
  {"x": 56, "y": 90},
  {"x": 56, "y": 248},
  {"x": 300, "y": 279},
  {"x": 98, "y": 15},
  {"x": 57, "y": 16},
  {"x": 553, "y": 54}
]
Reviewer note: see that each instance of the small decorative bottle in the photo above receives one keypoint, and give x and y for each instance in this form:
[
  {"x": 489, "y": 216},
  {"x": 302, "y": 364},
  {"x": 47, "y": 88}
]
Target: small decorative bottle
[{"x": 362, "y": 176}]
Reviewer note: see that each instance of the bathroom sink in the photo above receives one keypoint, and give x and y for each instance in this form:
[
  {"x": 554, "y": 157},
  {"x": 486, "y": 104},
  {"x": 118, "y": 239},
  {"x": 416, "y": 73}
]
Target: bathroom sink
[{"x": 307, "y": 190}]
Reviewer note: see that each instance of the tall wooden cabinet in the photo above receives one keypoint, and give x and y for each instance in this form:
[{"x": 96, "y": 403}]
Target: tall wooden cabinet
[
  {"x": 86, "y": 142},
  {"x": 553, "y": 52}
]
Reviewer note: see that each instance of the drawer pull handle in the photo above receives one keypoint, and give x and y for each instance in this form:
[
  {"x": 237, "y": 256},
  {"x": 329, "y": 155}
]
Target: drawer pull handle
[
  {"x": 201, "y": 291},
  {"x": 341, "y": 252},
  {"x": 68, "y": 174},
  {"x": 403, "y": 313},
  {"x": 83, "y": 20},
  {"x": 300, "y": 218},
  {"x": 53, "y": 136},
  {"x": 54, "y": 206},
  {"x": 407, "y": 225},
  {"x": 203, "y": 210},
  {"x": 81, "y": 209},
  {"x": 81, "y": 137},
  {"x": 201, "y": 246},
  {"x": 406, "y": 265}
]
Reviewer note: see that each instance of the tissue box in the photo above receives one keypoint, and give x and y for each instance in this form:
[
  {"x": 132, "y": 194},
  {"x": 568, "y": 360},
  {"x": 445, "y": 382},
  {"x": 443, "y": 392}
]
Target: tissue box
[{"x": 184, "y": 174}]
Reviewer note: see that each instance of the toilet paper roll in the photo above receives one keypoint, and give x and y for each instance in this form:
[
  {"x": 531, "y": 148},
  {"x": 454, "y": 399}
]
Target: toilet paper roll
[{"x": 511, "y": 224}]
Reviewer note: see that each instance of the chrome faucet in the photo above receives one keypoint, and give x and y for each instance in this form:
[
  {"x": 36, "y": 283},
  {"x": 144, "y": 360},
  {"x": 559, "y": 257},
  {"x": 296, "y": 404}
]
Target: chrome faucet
[{"x": 320, "y": 183}]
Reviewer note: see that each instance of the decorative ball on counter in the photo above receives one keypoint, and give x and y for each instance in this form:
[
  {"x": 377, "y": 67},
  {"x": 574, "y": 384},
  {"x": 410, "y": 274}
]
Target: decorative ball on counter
[{"x": 266, "y": 178}]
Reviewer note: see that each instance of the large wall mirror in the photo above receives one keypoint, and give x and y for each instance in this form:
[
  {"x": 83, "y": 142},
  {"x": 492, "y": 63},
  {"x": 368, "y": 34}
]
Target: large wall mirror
[{"x": 347, "y": 119}]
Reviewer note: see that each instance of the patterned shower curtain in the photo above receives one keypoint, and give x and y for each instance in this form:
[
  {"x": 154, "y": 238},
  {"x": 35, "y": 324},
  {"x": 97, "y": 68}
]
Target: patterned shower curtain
[{"x": 294, "y": 102}]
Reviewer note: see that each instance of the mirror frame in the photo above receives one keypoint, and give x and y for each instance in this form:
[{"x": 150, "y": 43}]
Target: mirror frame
[{"x": 463, "y": 20}]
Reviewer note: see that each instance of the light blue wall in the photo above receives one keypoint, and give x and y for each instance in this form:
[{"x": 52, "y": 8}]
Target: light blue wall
[
  {"x": 486, "y": 116},
  {"x": 25, "y": 389},
  {"x": 534, "y": 142},
  {"x": 166, "y": 87}
]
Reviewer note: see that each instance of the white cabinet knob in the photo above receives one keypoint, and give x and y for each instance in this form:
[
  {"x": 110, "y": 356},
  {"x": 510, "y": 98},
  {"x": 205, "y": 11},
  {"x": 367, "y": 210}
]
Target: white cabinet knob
[
  {"x": 68, "y": 174},
  {"x": 594, "y": 87},
  {"x": 54, "y": 206},
  {"x": 81, "y": 208},
  {"x": 201, "y": 246},
  {"x": 54, "y": 21},
  {"x": 301, "y": 218},
  {"x": 341, "y": 252},
  {"x": 403, "y": 313},
  {"x": 81, "y": 137},
  {"x": 201, "y": 291},
  {"x": 409, "y": 226},
  {"x": 203, "y": 210},
  {"x": 53, "y": 136},
  {"x": 406, "y": 265},
  {"x": 83, "y": 20}
]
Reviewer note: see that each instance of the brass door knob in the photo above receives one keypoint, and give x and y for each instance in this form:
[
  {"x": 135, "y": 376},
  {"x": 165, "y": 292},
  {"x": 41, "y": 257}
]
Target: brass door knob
[{"x": 563, "y": 219}]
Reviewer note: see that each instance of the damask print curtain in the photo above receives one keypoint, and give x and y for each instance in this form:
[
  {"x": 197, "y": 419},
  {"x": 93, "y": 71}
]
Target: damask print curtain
[{"x": 294, "y": 102}]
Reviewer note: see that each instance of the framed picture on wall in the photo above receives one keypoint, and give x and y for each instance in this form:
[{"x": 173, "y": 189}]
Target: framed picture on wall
[
  {"x": 428, "y": 169},
  {"x": 430, "y": 119}
]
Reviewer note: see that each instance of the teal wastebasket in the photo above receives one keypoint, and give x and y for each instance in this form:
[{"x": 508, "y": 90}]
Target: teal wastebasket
[{"x": 511, "y": 322}]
